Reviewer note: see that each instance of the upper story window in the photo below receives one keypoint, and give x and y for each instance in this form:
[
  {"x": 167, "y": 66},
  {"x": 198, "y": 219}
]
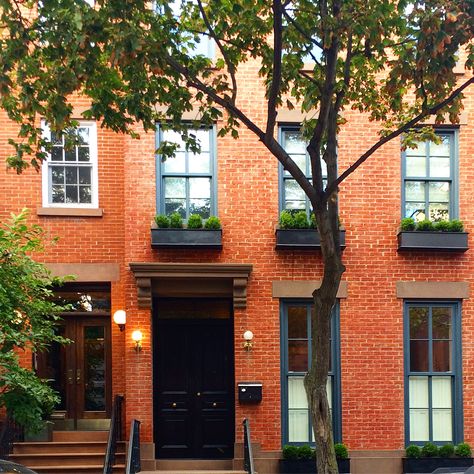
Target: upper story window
[
  {"x": 296, "y": 357},
  {"x": 433, "y": 390},
  {"x": 429, "y": 180},
  {"x": 186, "y": 181},
  {"x": 70, "y": 171},
  {"x": 292, "y": 197}
]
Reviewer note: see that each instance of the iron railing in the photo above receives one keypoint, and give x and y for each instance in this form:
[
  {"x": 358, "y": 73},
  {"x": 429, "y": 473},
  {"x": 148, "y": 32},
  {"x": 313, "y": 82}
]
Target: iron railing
[
  {"x": 133, "y": 454},
  {"x": 248, "y": 455},
  {"x": 10, "y": 433},
  {"x": 115, "y": 434}
]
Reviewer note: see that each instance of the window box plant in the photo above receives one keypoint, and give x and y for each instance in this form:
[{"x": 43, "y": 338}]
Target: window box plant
[
  {"x": 296, "y": 232},
  {"x": 170, "y": 232},
  {"x": 442, "y": 236},
  {"x": 430, "y": 457},
  {"x": 301, "y": 460}
]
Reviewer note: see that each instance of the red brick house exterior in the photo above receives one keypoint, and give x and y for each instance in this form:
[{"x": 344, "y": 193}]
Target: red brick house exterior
[{"x": 107, "y": 243}]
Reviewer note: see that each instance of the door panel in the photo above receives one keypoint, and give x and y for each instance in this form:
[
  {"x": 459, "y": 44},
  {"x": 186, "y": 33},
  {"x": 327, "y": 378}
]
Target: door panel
[{"x": 194, "y": 399}]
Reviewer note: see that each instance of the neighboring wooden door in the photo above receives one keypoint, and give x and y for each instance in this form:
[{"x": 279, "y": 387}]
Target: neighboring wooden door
[
  {"x": 80, "y": 371},
  {"x": 194, "y": 396}
]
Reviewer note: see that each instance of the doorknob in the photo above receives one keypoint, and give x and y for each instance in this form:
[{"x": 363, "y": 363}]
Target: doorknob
[
  {"x": 173, "y": 404},
  {"x": 214, "y": 404},
  {"x": 70, "y": 380},
  {"x": 78, "y": 376},
  {"x": 198, "y": 394}
]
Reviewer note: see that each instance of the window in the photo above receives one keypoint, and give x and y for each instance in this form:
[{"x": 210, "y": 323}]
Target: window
[
  {"x": 296, "y": 357},
  {"x": 186, "y": 181},
  {"x": 70, "y": 171},
  {"x": 433, "y": 404},
  {"x": 429, "y": 187},
  {"x": 292, "y": 197}
]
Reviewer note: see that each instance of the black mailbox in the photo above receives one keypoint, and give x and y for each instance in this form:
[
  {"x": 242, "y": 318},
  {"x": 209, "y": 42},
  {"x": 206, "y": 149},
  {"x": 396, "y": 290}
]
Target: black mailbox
[{"x": 250, "y": 392}]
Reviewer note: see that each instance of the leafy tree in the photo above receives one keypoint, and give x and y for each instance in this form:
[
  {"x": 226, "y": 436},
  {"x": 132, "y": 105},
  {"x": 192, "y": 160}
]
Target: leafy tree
[
  {"x": 28, "y": 318},
  {"x": 392, "y": 60}
]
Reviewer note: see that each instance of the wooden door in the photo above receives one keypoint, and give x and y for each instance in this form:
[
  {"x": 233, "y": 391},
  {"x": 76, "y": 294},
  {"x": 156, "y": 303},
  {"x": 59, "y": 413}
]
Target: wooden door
[{"x": 194, "y": 397}]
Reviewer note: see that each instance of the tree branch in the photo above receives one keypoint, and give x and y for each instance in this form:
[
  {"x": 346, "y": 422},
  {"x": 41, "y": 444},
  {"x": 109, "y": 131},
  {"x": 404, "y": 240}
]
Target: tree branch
[
  {"x": 230, "y": 66},
  {"x": 276, "y": 75},
  {"x": 431, "y": 111}
]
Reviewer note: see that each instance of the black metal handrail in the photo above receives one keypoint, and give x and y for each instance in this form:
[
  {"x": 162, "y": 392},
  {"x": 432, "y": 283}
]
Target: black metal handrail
[
  {"x": 115, "y": 434},
  {"x": 248, "y": 455},
  {"x": 133, "y": 453},
  {"x": 10, "y": 433}
]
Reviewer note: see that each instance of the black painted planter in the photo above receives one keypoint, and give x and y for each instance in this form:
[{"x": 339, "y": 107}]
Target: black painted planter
[
  {"x": 433, "y": 241},
  {"x": 186, "y": 238},
  {"x": 428, "y": 465},
  {"x": 301, "y": 239},
  {"x": 308, "y": 466}
]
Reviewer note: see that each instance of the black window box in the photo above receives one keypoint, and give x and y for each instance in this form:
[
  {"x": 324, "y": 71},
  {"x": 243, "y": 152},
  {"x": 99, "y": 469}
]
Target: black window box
[
  {"x": 186, "y": 238},
  {"x": 433, "y": 241},
  {"x": 308, "y": 466},
  {"x": 302, "y": 239},
  {"x": 428, "y": 465}
]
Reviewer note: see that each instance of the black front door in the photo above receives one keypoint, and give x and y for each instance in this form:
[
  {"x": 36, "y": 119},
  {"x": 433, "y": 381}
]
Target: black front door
[{"x": 193, "y": 396}]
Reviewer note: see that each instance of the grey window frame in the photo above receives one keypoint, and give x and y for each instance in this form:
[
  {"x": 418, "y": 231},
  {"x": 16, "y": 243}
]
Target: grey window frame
[
  {"x": 160, "y": 198},
  {"x": 335, "y": 373},
  {"x": 453, "y": 180},
  {"x": 455, "y": 373}
]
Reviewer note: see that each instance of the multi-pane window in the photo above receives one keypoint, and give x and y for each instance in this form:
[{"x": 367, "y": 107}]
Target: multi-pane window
[
  {"x": 293, "y": 197},
  {"x": 70, "y": 172},
  {"x": 296, "y": 357},
  {"x": 429, "y": 180},
  {"x": 433, "y": 366},
  {"x": 186, "y": 179}
]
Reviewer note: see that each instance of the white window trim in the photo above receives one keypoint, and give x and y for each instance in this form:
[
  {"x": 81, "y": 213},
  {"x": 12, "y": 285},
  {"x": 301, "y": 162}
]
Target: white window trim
[{"x": 94, "y": 174}]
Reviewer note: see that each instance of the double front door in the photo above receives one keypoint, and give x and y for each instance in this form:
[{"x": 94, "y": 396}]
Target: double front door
[
  {"x": 80, "y": 372},
  {"x": 194, "y": 401}
]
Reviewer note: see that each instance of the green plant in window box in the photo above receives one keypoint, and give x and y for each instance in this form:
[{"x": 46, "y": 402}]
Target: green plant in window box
[
  {"x": 290, "y": 453},
  {"x": 341, "y": 451},
  {"x": 413, "y": 451},
  {"x": 446, "y": 451},
  {"x": 306, "y": 452},
  {"x": 442, "y": 226},
  {"x": 301, "y": 220},
  {"x": 213, "y": 223},
  {"x": 456, "y": 226},
  {"x": 408, "y": 224},
  {"x": 195, "y": 221},
  {"x": 425, "y": 225},
  {"x": 162, "y": 221},
  {"x": 312, "y": 221},
  {"x": 176, "y": 221},
  {"x": 287, "y": 220},
  {"x": 463, "y": 450},
  {"x": 429, "y": 450}
]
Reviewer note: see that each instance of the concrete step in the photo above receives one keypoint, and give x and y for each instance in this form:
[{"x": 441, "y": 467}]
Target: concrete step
[
  {"x": 194, "y": 464},
  {"x": 64, "y": 447},
  {"x": 78, "y": 469},
  {"x": 194, "y": 471},
  {"x": 64, "y": 459},
  {"x": 75, "y": 436}
]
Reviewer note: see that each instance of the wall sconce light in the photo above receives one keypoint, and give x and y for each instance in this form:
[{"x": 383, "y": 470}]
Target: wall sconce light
[
  {"x": 120, "y": 318},
  {"x": 137, "y": 337},
  {"x": 248, "y": 336}
]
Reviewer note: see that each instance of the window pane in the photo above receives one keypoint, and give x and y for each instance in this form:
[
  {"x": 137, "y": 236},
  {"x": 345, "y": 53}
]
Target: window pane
[
  {"x": 300, "y": 161},
  {"x": 56, "y": 138},
  {"x": 439, "y": 192},
  {"x": 296, "y": 393},
  {"x": 204, "y": 46},
  {"x": 415, "y": 191},
  {"x": 57, "y": 153},
  {"x": 418, "y": 322},
  {"x": 175, "y": 187},
  {"x": 57, "y": 174},
  {"x": 199, "y": 187},
  {"x": 84, "y": 154},
  {"x": 57, "y": 194},
  {"x": 298, "y": 426},
  {"x": 173, "y": 137},
  {"x": 442, "y": 425},
  {"x": 419, "y": 356},
  {"x": 201, "y": 207},
  {"x": 84, "y": 175},
  {"x": 297, "y": 322},
  {"x": 71, "y": 175},
  {"x": 416, "y": 210},
  {"x": 441, "y": 356},
  {"x": 176, "y": 163},
  {"x": 418, "y": 388},
  {"x": 441, "y": 392},
  {"x": 419, "y": 425},
  {"x": 441, "y": 323},
  {"x": 200, "y": 163},
  {"x": 297, "y": 356},
  {"x": 438, "y": 211},
  {"x": 329, "y": 391},
  {"x": 85, "y": 194},
  {"x": 175, "y": 205},
  {"x": 440, "y": 167},
  {"x": 70, "y": 155},
  {"x": 83, "y": 135},
  {"x": 416, "y": 166},
  {"x": 72, "y": 194},
  {"x": 442, "y": 149},
  {"x": 294, "y": 143},
  {"x": 203, "y": 136},
  {"x": 295, "y": 205},
  {"x": 293, "y": 191},
  {"x": 420, "y": 150}
]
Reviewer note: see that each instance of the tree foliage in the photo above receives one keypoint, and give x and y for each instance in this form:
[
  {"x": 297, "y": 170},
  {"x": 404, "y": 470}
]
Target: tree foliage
[
  {"x": 392, "y": 60},
  {"x": 28, "y": 318}
]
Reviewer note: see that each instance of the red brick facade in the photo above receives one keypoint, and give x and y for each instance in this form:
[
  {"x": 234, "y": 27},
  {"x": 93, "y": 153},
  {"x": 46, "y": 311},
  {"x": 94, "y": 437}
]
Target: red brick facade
[{"x": 371, "y": 317}]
